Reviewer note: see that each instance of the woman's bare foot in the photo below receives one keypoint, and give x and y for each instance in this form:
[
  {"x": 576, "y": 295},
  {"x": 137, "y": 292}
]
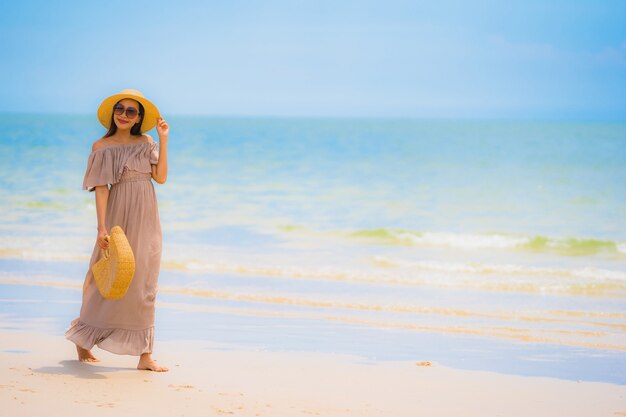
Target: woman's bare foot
[
  {"x": 146, "y": 363},
  {"x": 85, "y": 355}
]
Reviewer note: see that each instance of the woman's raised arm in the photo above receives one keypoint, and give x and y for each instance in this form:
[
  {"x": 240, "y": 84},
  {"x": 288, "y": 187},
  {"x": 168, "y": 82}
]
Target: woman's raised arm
[{"x": 159, "y": 171}]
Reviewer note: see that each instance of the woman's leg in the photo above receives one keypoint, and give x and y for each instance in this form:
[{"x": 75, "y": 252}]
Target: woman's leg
[
  {"x": 85, "y": 355},
  {"x": 148, "y": 364}
]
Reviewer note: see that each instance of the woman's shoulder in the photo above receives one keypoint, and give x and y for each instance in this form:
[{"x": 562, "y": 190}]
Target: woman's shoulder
[
  {"x": 147, "y": 138},
  {"x": 100, "y": 143}
]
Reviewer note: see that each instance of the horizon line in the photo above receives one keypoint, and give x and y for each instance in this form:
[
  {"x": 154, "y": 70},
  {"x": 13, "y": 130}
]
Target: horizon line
[{"x": 590, "y": 119}]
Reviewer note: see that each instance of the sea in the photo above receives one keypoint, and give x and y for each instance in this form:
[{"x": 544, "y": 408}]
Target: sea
[{"x": 477, "y": 244}]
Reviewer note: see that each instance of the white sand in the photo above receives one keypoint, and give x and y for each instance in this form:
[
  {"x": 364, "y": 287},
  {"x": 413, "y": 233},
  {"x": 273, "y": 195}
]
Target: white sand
[{"x": 40, "y": 376}]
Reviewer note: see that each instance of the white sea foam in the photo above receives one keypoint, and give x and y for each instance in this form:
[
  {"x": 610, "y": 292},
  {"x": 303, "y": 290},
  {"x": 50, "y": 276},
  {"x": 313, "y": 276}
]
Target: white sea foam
[
  {"x": 462, "y": 241},
  {"x": 501, "y": 269},
  {"x": 562, "y": 246}
]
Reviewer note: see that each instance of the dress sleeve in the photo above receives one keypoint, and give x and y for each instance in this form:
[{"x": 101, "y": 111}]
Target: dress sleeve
[
  {"x": 99, "y": 171},
  {"x": 154, "y": 154}
]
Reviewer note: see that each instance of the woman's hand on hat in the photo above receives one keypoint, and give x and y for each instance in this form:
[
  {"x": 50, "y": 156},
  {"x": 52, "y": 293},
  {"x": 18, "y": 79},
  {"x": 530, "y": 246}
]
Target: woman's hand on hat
[
  {"x": 163, "y": 129},
  {"x": 102, "y": 242}
]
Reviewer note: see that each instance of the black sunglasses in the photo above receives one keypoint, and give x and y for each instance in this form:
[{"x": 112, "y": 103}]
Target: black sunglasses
[{"x": 131, "y": 112}]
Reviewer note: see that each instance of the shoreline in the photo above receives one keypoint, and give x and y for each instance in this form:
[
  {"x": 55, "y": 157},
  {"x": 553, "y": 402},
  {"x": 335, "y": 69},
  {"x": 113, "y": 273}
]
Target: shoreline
[
  {"x": 42, "y": 376},
  {"x": 293, "y": 328}
]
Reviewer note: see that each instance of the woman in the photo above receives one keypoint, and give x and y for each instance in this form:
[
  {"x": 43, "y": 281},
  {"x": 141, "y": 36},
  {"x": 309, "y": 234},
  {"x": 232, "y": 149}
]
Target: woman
[{"x": 126, "y": 159}]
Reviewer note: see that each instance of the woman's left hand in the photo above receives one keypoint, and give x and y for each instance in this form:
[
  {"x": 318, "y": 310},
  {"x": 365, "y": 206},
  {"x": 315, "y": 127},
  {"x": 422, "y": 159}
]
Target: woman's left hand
[{"x": 163, "y": 129}]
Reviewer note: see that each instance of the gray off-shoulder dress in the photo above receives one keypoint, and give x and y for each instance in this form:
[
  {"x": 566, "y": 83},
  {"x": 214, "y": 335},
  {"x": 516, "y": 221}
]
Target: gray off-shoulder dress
[{"x": 126, "y": 325}]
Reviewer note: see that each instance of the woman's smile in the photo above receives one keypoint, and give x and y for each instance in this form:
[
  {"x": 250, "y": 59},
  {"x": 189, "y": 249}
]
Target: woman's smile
[{"x": 121, "y": 122}]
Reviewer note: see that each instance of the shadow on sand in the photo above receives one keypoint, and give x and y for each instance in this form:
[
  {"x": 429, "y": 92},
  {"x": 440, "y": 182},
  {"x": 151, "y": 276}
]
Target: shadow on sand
[{"x": 81, "y": 369}]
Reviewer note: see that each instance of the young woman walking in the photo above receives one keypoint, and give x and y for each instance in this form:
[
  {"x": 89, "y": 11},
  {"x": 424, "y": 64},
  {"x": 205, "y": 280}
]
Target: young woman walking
[{"x": 120, "y": 169}]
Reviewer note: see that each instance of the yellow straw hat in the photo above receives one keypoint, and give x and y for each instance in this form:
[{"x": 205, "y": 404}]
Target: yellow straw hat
[
  {"x": 114, "y": 271},
  {"x": 151, "y": 113}
]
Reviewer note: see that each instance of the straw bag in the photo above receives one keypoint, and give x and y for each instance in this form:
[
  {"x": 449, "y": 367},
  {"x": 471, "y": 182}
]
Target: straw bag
[{"x": 115, "y": 269}]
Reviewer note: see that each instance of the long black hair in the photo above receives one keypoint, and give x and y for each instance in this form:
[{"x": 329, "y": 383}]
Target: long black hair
[{"x": 135, "y": 130}]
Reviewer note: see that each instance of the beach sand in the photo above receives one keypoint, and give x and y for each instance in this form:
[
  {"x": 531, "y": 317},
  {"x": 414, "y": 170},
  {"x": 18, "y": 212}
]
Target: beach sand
[{"x": 40, "y": 376}]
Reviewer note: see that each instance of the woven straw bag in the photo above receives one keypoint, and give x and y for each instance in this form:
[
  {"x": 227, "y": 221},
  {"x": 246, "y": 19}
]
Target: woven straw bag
[{"x": 115, "y": 269}]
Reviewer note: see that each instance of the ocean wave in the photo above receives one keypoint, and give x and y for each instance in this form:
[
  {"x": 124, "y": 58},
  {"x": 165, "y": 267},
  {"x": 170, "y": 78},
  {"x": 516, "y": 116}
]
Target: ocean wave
[
  {"x": 593, "y": 329},
  {"x": 563, "y": 246},
  {"x": 315, "y": 300},
  {"x": 487, "y": 277},
  {"x": 565, "y": 335},
  {"x": 389, "y": 269},
  {"x": 595, "y": 274}
]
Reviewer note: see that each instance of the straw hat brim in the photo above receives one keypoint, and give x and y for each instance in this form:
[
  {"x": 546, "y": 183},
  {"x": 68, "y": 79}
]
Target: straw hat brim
[{"x": 151, "y": 112}]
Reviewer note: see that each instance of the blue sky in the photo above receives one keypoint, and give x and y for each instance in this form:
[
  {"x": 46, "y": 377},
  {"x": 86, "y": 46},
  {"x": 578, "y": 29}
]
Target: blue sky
[{"x": 457, "y": 59}]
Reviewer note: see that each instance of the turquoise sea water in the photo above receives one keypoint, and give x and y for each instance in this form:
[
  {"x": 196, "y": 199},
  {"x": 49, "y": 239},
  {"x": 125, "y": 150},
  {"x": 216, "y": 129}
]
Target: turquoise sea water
[{"x": 508, "y": 232}]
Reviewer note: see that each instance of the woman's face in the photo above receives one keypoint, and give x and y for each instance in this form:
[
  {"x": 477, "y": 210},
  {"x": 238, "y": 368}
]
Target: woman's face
[{"x": 126, "y": 114}]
